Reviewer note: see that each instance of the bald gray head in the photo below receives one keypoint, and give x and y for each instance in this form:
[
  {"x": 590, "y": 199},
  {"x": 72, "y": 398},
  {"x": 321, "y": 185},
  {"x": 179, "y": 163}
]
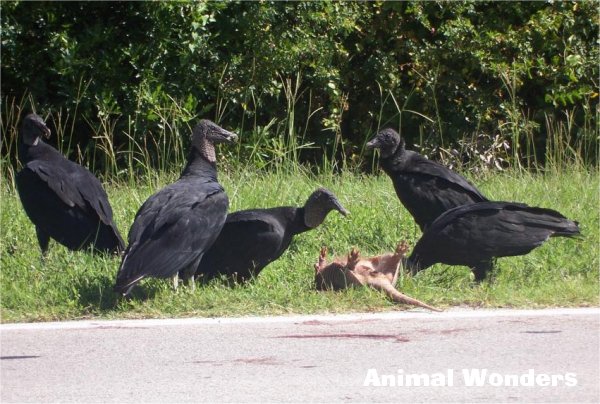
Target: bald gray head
[
  {"x": 318, "y": 205},
  {"x": 206, "y": 134},
  {"x": 388, "y": 141},
  {"x": 32, "y": 129}
]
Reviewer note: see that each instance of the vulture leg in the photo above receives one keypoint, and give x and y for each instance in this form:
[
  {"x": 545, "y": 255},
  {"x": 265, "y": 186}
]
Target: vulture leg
[
  {"x": 175, "y": 280},
  {"x": 480, "y": 270},
  {"x": 191, "y": 283},
  {"x": 187, "y": 274},
  {"x": 43, "y": 240}
]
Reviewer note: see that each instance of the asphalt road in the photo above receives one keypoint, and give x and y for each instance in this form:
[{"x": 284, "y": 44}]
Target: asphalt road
[{"x": 515, "y": 356}]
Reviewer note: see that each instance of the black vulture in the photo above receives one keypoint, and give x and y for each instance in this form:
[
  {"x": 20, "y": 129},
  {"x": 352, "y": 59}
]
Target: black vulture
[
  {"x": 252, "y": 239},
  {"x": 64, "y": 200},
  {"x": 473, "y": 235},
  {"x": 176, "y": 225},
  {"x": 425, "y": 188}
]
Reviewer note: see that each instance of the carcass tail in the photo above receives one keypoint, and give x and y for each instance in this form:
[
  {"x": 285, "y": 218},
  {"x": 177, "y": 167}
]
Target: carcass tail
[{"x": 398, "y": 297}]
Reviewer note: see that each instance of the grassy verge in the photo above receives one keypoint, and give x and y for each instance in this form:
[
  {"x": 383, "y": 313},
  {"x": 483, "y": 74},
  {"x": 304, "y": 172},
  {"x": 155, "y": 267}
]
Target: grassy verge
[{"x": 73, "y": 285}]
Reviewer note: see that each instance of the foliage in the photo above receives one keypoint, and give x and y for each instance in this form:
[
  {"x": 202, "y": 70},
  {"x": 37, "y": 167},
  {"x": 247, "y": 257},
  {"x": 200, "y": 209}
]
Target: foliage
[{"x": 131, "y": 76}]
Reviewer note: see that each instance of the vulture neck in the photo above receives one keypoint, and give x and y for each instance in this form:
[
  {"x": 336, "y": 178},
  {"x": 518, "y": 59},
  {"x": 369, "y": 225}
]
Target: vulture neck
[
  {"x": 395, "y": 160},
  {"x": 298, "y": 224},
  {"x": 24, "y": 152},
  {"x": 31, "y": 152},
  {"x": 201, "y": 162},
  {"x": 315, "y": 214}
]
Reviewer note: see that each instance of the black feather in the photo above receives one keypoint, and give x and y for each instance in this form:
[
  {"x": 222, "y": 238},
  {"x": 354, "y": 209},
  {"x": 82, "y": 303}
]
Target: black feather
[
  {"x": 427, "y": 189},
  {"x": 175, "y": 226},
  {"x": 64, "y": 200},
  {"x": 252, "y": 239},
  {"x": 473, "y": 235}
]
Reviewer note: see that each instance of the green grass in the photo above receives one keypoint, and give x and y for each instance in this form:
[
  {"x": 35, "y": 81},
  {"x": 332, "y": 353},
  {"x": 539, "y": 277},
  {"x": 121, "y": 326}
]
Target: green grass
[{"x": 75, "y": 285}]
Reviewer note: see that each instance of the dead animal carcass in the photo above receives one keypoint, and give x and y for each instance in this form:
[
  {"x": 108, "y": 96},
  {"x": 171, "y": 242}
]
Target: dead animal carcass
[{"x": 379, "y": 272}]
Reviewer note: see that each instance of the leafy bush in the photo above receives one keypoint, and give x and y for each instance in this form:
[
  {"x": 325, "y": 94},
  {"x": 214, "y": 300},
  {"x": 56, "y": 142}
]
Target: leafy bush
[{"x": 122, "y": 81}]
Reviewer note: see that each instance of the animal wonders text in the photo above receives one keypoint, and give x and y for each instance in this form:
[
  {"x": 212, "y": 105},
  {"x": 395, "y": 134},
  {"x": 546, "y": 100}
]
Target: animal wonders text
[{"x": 469, "y": 378}]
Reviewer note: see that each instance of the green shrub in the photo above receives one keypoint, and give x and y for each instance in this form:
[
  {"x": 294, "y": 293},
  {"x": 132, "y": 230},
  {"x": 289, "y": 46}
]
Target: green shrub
[{"x": 130, "y": 77}]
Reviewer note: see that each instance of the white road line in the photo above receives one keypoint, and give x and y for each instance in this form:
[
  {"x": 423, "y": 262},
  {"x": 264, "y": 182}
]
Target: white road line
[{"x": 395, "y": 315}]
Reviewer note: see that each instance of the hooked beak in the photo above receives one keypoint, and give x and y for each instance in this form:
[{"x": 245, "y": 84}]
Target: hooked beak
[
  {"x": 372, "y": 144},
  {"x": 341, "y": 209},
  {"x": 228, "y": 137},
  {"x": 231, "y": 137}
]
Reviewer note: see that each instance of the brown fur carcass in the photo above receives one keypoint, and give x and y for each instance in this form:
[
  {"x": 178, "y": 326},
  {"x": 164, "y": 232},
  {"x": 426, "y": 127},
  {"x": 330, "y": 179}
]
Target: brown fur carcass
[{"x": 379, "y": 272}]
